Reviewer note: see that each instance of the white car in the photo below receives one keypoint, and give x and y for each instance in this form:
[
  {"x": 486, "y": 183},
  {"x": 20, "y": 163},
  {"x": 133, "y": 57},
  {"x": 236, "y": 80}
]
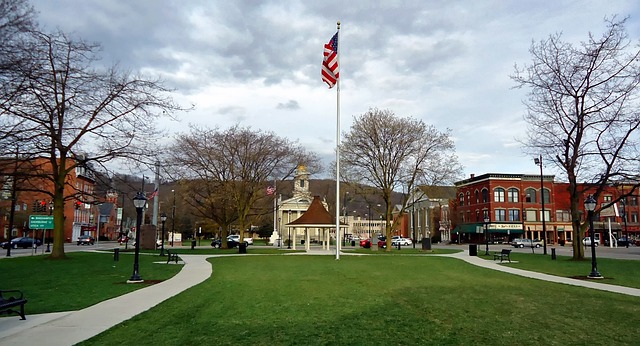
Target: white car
[
  {"x": 587, "y": 242},
  {"x": 400, "y": 240},
  {"x": 236, "y": 238}
]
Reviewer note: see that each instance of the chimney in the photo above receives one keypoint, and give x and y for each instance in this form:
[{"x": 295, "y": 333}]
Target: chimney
[{"x": 473, "y": 175}]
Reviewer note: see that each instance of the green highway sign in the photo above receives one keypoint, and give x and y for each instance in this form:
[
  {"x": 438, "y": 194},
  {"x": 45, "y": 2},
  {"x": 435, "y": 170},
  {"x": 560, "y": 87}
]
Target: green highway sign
[{"x": 41, "y": 221}]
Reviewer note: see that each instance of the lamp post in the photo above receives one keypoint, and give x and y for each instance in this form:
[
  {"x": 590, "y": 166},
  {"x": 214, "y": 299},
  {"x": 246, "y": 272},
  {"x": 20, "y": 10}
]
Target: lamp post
[
  {"x": 289, "y": 229},
  {"x": 50, "y": 213},
  {"x": 413, "y": 213},
  {"x": 173, "y": 216},
  {"x": 486, "y": 235},
  {"x": 538, "y": 161},
  {"x": 369, "y": 219},
  {"x": 590, "y": 206},
  {"x": 163, "y": 218},
  {"x": 139, "y": 202},
  {"x": 624, "y": 218}
]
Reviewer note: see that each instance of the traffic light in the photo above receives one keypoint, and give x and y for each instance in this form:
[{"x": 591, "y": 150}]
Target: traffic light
[
  {"x": 77, "y": 205},
  {"x": 43, "y": 206},
  {"x": 35, "y": 206}
]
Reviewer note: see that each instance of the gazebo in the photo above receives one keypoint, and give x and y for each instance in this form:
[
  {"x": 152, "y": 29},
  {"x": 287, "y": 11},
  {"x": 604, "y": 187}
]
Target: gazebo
[{"x": 316, "y": 217}]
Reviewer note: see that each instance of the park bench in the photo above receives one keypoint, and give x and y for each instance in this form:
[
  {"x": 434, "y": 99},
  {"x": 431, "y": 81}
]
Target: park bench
[
  {"x": 10, "y": 299},
  {"x": 502, "y": 255},
  {"x": 171, "y": 257}
]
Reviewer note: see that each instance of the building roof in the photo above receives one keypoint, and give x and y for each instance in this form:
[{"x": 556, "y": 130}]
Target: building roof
[{"x": 315, "y": 216}]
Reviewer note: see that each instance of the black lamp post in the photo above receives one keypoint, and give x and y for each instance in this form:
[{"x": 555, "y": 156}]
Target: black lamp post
[
  {"x": 590, "y": 206},
  {"x": 163, "y": 218},
  {"x": 50, "y": 213},
  {"x": 173, "y": 216},
  {"x": 486, "y": 235},
  {"x": 289, "y": 229},
  {"x": 139, "y": 202},
  {"x": 538, "y": 161},
  {"x": 369, "y": 218},
  {"x": 624, "y": 218}
]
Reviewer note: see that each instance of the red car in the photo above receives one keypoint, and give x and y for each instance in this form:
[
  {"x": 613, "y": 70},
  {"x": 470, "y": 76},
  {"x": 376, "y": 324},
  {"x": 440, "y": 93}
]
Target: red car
[{"x": 366, "y": 243}]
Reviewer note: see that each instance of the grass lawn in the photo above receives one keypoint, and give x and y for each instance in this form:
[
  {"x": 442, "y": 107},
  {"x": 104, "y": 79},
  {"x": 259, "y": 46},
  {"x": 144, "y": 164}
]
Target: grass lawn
[
  {"x": 82, "y": 280},
  {"x": 615, "y": 271},
  {"x": 377, "y": 300}
]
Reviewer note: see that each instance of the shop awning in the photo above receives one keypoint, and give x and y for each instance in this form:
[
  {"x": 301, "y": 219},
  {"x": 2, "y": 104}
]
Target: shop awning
[{"x": 479, "y": 228}]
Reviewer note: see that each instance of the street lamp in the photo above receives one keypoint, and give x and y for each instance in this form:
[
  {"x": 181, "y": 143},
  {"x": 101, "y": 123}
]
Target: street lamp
[
  {"x": 486, "y": 235},
  {"x": 173, "y": 216},
  {"x": 590, "y": 206},
  {"x": 163, "y": 218},
  {"x": 50, "y": 213},
  {"x": 139, "y": 202},
  {"x": 369, "y": 219},
  {"x": 538, "y": 161},
  {"x": 624, "y": 218},
  {"x": 289, "y": 229}
]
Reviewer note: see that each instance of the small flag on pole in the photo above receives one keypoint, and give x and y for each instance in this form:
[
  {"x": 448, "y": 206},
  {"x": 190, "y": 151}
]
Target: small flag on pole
[
  {"x": 271, "y": 190},
  {"x": 153, "y": 194},
  {"x": 330, "y": 69}
]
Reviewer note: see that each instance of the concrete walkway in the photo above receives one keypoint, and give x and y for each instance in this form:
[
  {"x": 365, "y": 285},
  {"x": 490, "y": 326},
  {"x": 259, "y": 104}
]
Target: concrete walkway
[
  {"x": 590, "y": 283},
  {"x": 71, "y": 327}
]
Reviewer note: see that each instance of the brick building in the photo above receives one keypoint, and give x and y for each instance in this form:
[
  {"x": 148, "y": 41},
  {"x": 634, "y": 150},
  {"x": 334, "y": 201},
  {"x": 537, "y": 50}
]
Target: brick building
[{"x": 500, "y": 207}]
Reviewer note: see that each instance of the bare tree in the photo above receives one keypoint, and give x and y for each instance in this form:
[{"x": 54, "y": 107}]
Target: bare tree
[
  {"x": 583, "y": 113},
  {"x": 227, "y": 172},
  {"x": 17, "y": 19},
  {"x": 390, "y": 153},
  {"x": 73, "y": 113}
]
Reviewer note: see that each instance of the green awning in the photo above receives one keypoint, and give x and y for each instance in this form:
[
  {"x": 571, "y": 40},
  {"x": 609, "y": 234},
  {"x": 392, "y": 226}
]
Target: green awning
[
  {"x": 479, "y": 228},
  {"x": 507, "y": 231},
  {"x": 469, "y": 228}
]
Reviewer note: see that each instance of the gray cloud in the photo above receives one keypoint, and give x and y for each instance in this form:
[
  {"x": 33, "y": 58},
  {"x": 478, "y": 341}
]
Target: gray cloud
[
  {"x": 442, "y": 61},
  {"x": 290, "y": 105}
]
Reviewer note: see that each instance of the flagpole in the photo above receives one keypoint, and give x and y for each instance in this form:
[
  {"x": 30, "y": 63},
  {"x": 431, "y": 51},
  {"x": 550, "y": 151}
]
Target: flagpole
[{"x": 338, "y": 154}]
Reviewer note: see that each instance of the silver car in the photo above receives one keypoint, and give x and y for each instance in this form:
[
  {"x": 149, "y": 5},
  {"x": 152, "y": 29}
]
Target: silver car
[{"x": 523, "y": 242}]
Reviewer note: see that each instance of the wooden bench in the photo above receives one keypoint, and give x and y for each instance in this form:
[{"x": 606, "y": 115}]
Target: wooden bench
[
  {"x": 9, "y": 299},
  {"x": 172, "y": 257},
  {"x": 502, "y": 255}
]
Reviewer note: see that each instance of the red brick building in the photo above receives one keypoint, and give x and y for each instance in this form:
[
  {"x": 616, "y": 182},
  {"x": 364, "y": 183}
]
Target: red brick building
[
  {"x": 33, "y": 197},
  {"x": 500, "y": 207}
]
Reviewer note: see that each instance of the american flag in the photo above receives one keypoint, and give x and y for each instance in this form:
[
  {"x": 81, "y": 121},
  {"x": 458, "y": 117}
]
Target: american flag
[
  {"x": 330, "y": 69},
  {"x": 271, "y": 190},
  {"x": 153, "y": 194}
]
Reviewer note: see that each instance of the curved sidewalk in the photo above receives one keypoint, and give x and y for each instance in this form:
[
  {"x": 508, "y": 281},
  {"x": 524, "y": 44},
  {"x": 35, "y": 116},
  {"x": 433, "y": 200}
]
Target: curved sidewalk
[
  {"x": 71, "y": 327},
  {"x": 590, "y": 283}
]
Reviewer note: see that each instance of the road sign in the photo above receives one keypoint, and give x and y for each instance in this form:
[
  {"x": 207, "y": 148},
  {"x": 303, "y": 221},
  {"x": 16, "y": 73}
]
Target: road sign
[{"x": 41, "y": 221}]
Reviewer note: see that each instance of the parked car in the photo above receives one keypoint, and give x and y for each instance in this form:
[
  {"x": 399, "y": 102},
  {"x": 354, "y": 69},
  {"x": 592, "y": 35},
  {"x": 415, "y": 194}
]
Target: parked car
[
  {"x": 400, "y": 240},
  {"x": 625, "y": 241},
  {"x": 23, "y": 242},
  {"x": 231, "y": 242},
  {"x": 586, "y": 241},
  {"x": 236, "y": 238},
  {"x": 86, "y": 239},
  {"x": 523, "y": 242},
  {"x": 366, "y": 243}
]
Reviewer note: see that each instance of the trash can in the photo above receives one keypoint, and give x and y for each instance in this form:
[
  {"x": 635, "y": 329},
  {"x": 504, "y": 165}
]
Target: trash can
[
  {"x": 561, "y": 242},
  {"x": 426, "y": 243},
  {"x": 302, "y": 241},
  {"x": 116, "y": 254},
  {"x": 353, "y": 243},
  {"x": 242, "y": 248},
  {"x": 473, "y": 250},
  {"x": 193, "y": 244}
]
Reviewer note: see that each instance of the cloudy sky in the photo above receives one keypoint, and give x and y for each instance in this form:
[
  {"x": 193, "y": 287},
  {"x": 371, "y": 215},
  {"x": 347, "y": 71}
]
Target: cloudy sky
[{"x": 257, "y": 63}]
